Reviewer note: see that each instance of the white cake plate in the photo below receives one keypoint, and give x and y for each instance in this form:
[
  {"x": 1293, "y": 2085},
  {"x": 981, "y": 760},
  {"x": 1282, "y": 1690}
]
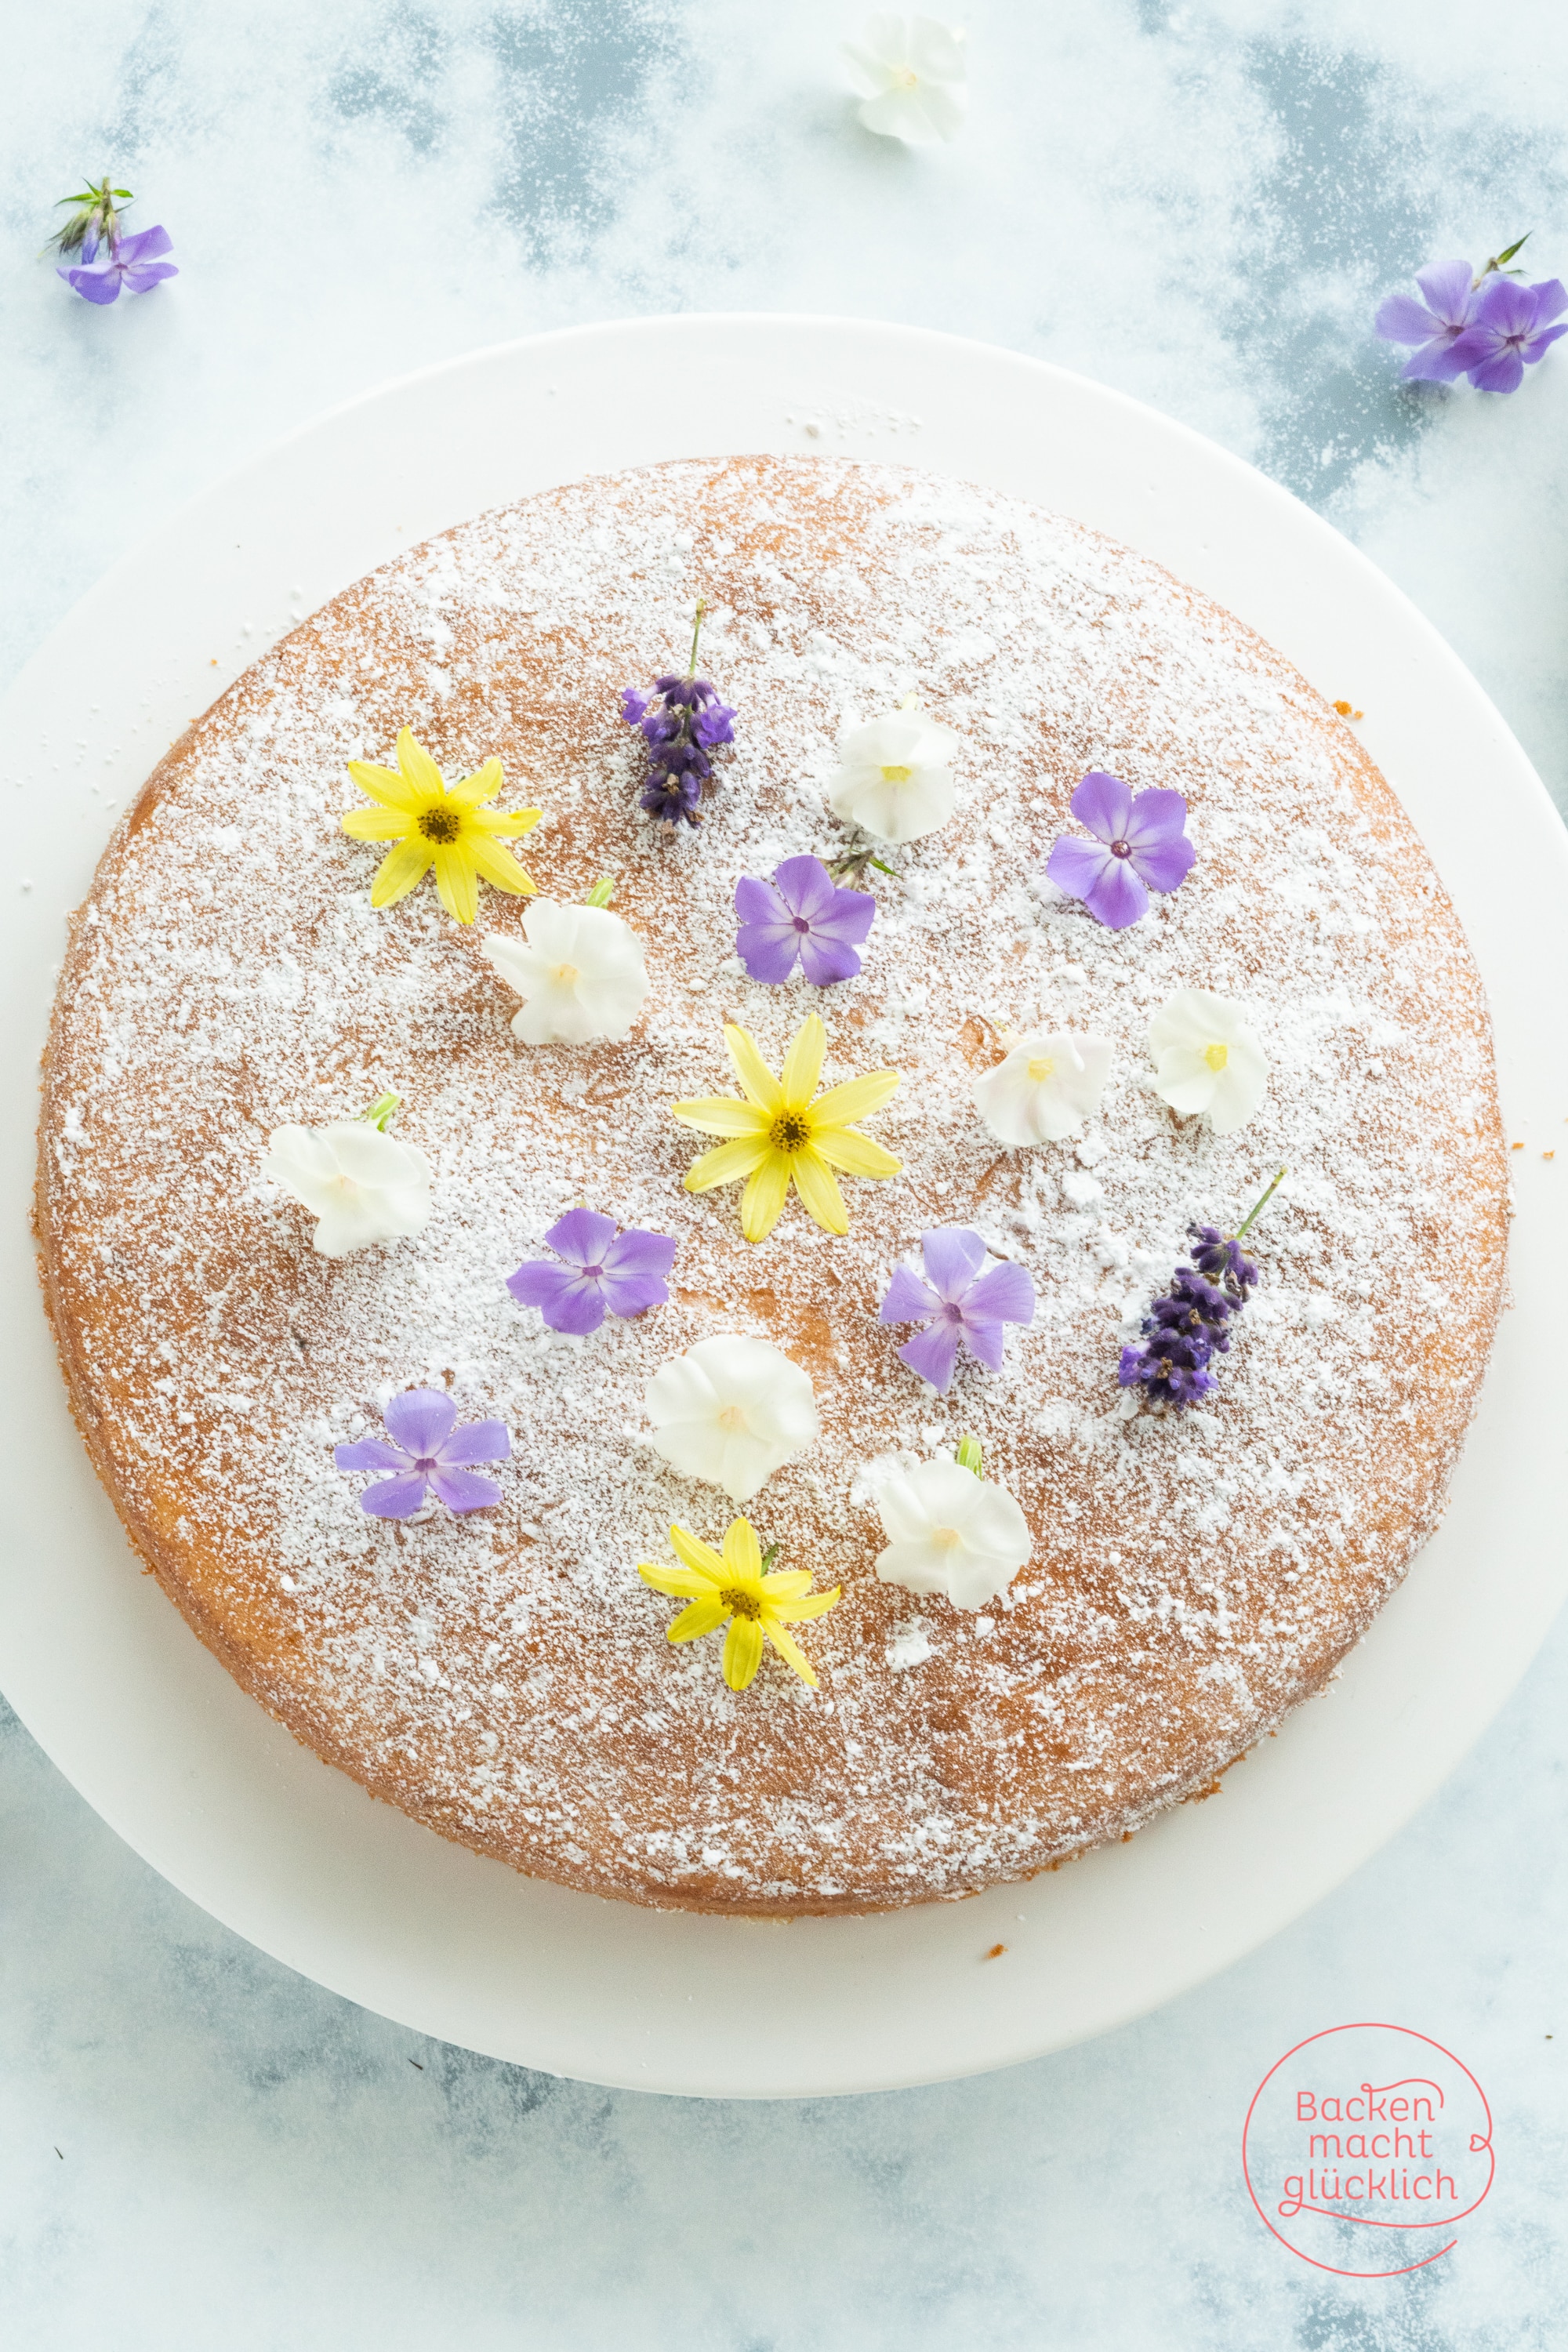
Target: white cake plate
[{"x": 290, "y": 1853}]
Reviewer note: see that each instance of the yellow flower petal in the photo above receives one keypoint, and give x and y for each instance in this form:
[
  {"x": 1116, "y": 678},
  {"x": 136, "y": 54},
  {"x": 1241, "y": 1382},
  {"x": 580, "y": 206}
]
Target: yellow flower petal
[
  {"x": 856, "y": 1099},
  {"x": 482, "y": 785},
  {"x": 742, "y": 1652},
  {"x": 820, "y": 1196},
  {"x": 802, "y": 1063},
  {"x": 729, "y": 1161},
  {"x": 790, "y": 1651},
  {"x": 758, "y": 1083},
  {"x": 509, "y": 821},
  {"x": 701, "y": 1617},
  {"x": 400, "y": 870},
  {"x": 765, "y": 1193},
  {"x": 846, "y": 1148},
  {"x": 497, "y": 865},
  {"x": 377, "y": 823},
  {"x": 815, "y": 1604},
  {"x": 786, "y": 1584},
  {"x": 721, "y": 1114},
  {"x": 418, "y": 766},
  {"x": 743, "y": 1552},
  {"x": 680, "y": 1583},
  {"x": 384, "y": 784},
  {"x": 700, "y": 1558},
  {"x": 457, "y": 881}
]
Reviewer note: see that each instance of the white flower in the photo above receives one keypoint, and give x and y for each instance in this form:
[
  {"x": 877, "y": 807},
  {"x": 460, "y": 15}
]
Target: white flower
[
  {"x": 951, "y": 1532},
  {"x": 893, "y": 777},
  {"x": 731, "y": 1411},
  {"x": 364, "y": 1185},
  {"x": 911, "y": 73},
  {"x": 582, "y": 974},
  {"x": 1207, "y": 1058},
  {"x": 1046, "y": 1087}
]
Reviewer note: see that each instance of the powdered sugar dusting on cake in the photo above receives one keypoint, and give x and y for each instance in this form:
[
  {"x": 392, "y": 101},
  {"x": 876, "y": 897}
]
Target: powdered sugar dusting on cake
[{"x": 505, "y": 1675}]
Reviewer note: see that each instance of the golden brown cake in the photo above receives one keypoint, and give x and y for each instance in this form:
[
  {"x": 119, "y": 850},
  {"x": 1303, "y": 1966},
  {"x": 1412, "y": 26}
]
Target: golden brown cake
[{"x": 504, "y": 1676}]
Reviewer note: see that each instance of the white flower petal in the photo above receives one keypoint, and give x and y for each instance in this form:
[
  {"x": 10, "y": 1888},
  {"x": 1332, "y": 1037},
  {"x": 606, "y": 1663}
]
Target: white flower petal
[
  {"x": 1207, "y": 1058},
  {"x": 951, "y": 1533},
  {"x": 582, "y": 974},
  {"x": 893, "y": 777},
  {"x": 911, "y": 73},
  {"x": 1019, "y": 1107},
  {"x": 731, "y": 1412},
  {"x": 364, "y": 1186}
]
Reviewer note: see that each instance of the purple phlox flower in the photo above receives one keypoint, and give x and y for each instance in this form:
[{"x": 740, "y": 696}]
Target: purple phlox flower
[
  {"x": 1194, "y": 1306},
  {"x": 1171, "y": 1365},
  {"x": 1436, "y": 326},
  {"x": 801, "y": 915},
  {"x": 1222, "y": 1260},
  {"x": 956, "y": 1301},
  {"x": 130, "y": 261},
  {"x": 1145, "y": 847},
  {"x": 429, "y": 1450},
  {"x": 623, "y": 1274},
  {"x": 1509, "y": 331}
]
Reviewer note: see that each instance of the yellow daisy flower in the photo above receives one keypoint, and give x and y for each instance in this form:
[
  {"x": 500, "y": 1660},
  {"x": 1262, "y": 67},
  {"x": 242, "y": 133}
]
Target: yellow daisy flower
[
  {"x": 733, "y": 1588},
  {"x": 452, "y": 831},
  {"x": 781, "y": 1136}
]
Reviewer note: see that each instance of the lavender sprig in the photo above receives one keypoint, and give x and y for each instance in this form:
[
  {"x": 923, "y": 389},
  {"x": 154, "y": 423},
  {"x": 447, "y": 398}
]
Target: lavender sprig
[
  {"x": 681, "y": 721},
  {"x": 1186, "y": 1328}
]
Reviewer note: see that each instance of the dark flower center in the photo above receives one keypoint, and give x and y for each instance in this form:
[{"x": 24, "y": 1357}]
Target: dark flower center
[
  {"x": 789, "y": 1133},
  {"x": 744, "y": 1604},
  {"x": 801, "y": 924},
  {"x": 441, "y": 825},
  {"x": 1122, "y": 849}
]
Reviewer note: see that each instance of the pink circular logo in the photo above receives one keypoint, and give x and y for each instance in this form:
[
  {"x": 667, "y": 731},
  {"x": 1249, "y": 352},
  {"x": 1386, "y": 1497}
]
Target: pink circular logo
[{"x": 1365, "y": 2148}]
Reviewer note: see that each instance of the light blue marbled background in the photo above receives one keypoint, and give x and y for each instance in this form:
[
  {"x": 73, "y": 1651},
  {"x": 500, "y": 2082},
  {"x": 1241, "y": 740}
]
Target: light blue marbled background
[{"x": 1199, "y": 204}]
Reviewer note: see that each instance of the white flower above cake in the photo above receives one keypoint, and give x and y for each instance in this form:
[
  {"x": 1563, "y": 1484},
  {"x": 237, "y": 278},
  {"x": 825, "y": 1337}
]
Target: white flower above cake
[
  {"x": 951, "y": 1531},
  {"x": 913, "y": 78},
  {"x": 731, "y": 1412},
  {"x": 580, "y": 970},
  {"x": 363, "y": 1184},
  {"x": 1048, "y": 1084},
  {"x": 1207, "y": 1058},
  {"x": 894, "y": 776}
]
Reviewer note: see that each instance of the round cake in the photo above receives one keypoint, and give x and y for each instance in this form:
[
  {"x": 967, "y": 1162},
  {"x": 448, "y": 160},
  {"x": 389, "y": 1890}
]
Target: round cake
[{"x": 1194, "y": 1567}]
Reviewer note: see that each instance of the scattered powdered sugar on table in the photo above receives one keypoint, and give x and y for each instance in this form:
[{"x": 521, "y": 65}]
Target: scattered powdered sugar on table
[{"x": 505, "y": 1675}]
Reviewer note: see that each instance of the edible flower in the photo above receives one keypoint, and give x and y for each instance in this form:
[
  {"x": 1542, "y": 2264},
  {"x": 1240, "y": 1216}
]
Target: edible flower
[
  {"x": 681, "y": 721},
  {"x": 623, "y": 1275},
  {"x": 731, "y": 1412},
  {"x": 951, "y": 1531},
  {"x": 1207, "y": 1058},
  {"x": 1434, "y": 324},
  {"x": 1508, "y": 332},
  {"x": 362, "y": 1183},
  {"x": 430, "y": 1451},
  {"x": 1190, "y": 1323},
  {"x": 801, "y": 918},
  {"x": 580, "y": 970},
  {"x": 94, "y": 220},
  {"x": 1048, "y": 1084},
  {"x": 734, "y": 1589},
  {"x": 1145, "y": 848},
  {"x": 894, "y": 776},
  {"x": 134, "y": 262},
  {"x": 956, "y": 1302},
  {"x": 780, "y": 1136},
  {"x": 452, "y": 831},
  {"x": 913, "y": 75}
]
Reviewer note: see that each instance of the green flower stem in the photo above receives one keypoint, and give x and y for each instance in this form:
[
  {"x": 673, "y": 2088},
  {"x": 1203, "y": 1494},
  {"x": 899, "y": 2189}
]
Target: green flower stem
[
  {"x": 695, "y": 633},
  {"x": 603, "y": 891},
  {"x": 968, "y": 1454},
  {"x": 383, "y": 1111},
  {"x": 1257, "y": 1208},
  {"x": 770, "y": 1554}
]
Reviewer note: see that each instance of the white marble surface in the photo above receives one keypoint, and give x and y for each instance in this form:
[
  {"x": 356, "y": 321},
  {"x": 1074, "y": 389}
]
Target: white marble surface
[{"x": 1199, "y": 204}]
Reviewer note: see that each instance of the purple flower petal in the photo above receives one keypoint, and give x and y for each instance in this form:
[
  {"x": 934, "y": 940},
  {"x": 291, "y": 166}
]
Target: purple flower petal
[
  {"x": 825, "y": 961},
  {"x": 985, "y": 1338},
  {"x": 1005, "y": 1292},
  {"x": 100, "y": 285},
  {"x": 634, "y": 1293},
  {"x": 1401, "y": 320},
  {"x": 395, "y": 1498},
  {"x": 371, "y": 1453},
  {"x": 482, "y": 1441},
  {"x": 1165, "y": 864},
  {"x": 1436, "y": 362},
  {"x": 1102, "y": 802},
  {"x": 464, "y": 1490},
  {"x": 759, "y": 902},
  {"x": 932, "y": 1354},
  {"x": 420, "y": 1420},
  {"x": 142, "y": 276},
  {"x": 568, "y": 1300},
  {"x": 806, "y": 888},
  {"x": 908, "y": 1299},
  {"x": 1156, "y": 815},
  {"x": 1504, "y": 372},
  {"x": 768, "y": 950},
  {"x": 582, "y": 1237},
  {"x": 649, "y": 1256},
  {"x": 850, "y": 917},
  {"x": 633, "y": 706},
  {"x": 1507, "y": 307},
  {"x": 146, "y": 246},
  {"x": 1538, "y": 345},
  {"x": 1118, "y": 898},
  {"x": 1448, "y": 286},
  {"x": 953, "y": 1257},
  {"x": 1550, "y": 295},
  {"x": 1075, "y": 866}
]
